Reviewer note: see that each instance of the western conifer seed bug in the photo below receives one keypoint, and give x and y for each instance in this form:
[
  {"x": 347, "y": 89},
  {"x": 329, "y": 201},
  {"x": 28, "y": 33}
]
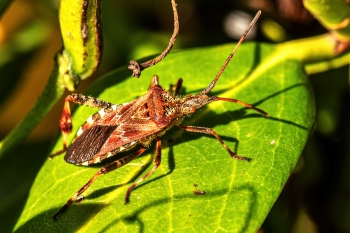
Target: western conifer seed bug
[{"x": 117, "y": 128}]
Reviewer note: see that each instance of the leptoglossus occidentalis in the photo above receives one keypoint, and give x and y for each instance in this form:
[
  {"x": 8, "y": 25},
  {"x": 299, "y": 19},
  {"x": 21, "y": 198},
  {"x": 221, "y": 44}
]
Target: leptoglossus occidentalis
[{"x": 117, "y": 128}]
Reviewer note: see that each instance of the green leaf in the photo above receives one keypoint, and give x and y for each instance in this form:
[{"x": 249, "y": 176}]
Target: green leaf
[
  {"x": 238, "y": 195},
  {"x": 333, "y": 14}
]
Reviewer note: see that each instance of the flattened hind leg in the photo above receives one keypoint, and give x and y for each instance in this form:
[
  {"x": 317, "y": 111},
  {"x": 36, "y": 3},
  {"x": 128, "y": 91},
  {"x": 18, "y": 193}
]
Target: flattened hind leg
[{"x": 66, "y": 116}]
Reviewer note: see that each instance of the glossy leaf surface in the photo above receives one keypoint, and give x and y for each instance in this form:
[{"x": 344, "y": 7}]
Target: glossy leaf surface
[{"x": 238, "y": 195}]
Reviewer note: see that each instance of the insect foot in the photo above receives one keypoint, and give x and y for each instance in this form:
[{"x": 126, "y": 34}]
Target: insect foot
[{"x": 118, "y": 128}]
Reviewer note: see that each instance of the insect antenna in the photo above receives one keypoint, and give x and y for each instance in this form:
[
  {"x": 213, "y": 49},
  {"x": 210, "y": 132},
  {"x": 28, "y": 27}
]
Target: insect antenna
[{"x": 212, "y": 84}]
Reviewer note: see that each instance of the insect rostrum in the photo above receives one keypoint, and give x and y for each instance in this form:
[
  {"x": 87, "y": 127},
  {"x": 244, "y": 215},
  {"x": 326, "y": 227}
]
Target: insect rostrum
[{"x": 117, "y": 128}]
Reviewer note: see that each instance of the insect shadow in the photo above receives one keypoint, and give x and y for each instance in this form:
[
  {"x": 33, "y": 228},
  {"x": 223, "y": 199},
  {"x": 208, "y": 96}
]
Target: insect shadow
[
  {"x": 241, "y": 113},
  {"x": 84, "y": 212},
  {"x": 271, "y": 118},
  {"x": 135, "y": 219}
]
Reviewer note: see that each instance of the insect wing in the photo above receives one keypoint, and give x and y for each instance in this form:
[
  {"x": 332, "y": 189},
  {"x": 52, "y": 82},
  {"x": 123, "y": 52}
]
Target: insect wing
[
  {"x": 132, "y": 127},
  {"x": 127, "y": 135},
  {"x": 88, "y": 144},
  {"x": 112, "y": 133}
]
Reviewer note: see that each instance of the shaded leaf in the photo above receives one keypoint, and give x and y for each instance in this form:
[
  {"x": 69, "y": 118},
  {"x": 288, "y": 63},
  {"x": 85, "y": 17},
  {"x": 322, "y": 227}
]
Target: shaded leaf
[{"x": 238, "y": 195}]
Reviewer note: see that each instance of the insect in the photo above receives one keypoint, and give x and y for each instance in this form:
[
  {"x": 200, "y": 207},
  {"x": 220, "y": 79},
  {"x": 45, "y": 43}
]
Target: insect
[{"x": 117, "y": 128}]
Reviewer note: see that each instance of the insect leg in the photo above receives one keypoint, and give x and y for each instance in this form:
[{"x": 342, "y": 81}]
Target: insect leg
[
  {"x": 157, "y": 161},
  {"x": 66, "y": 117},
  {"x": 198, "y": 129},
  {"x": 154, "y": 81},
  {"x": 104, "y": 170},
  {"x": 175, "y": 89}
]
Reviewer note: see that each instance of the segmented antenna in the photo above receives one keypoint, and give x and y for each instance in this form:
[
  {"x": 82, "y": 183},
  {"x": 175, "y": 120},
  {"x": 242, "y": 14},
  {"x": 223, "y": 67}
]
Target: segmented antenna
[{"x": 212, "y": 84}]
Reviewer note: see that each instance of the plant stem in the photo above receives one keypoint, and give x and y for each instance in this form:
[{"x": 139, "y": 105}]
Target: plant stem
[
  {"x": 317, "y": 53},
  {"x": 53, "y": 90}
]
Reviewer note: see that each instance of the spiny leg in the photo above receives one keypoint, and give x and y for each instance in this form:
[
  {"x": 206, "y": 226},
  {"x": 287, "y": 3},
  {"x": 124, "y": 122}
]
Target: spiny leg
[
  {"x": 104, "y": 170},
  {"x": 66, "y": 117},
  {"x": 205, "y": 130},
  {"x": 157, "y": 161}
]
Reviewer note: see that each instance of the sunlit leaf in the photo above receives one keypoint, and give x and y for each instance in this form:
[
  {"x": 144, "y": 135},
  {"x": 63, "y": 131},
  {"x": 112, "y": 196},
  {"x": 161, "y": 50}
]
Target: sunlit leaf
[{"x": 238, "y": 195}]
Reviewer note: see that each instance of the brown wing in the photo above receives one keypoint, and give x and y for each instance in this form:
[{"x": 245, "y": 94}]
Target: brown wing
[
  {"x": 128, "y": 123},
  {"x": 88, "y": 144},
  {"x": 130, "y": 131}
]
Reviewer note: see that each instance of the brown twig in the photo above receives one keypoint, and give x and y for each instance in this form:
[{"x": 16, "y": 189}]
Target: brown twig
[{"x": 137, "y": 68}]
